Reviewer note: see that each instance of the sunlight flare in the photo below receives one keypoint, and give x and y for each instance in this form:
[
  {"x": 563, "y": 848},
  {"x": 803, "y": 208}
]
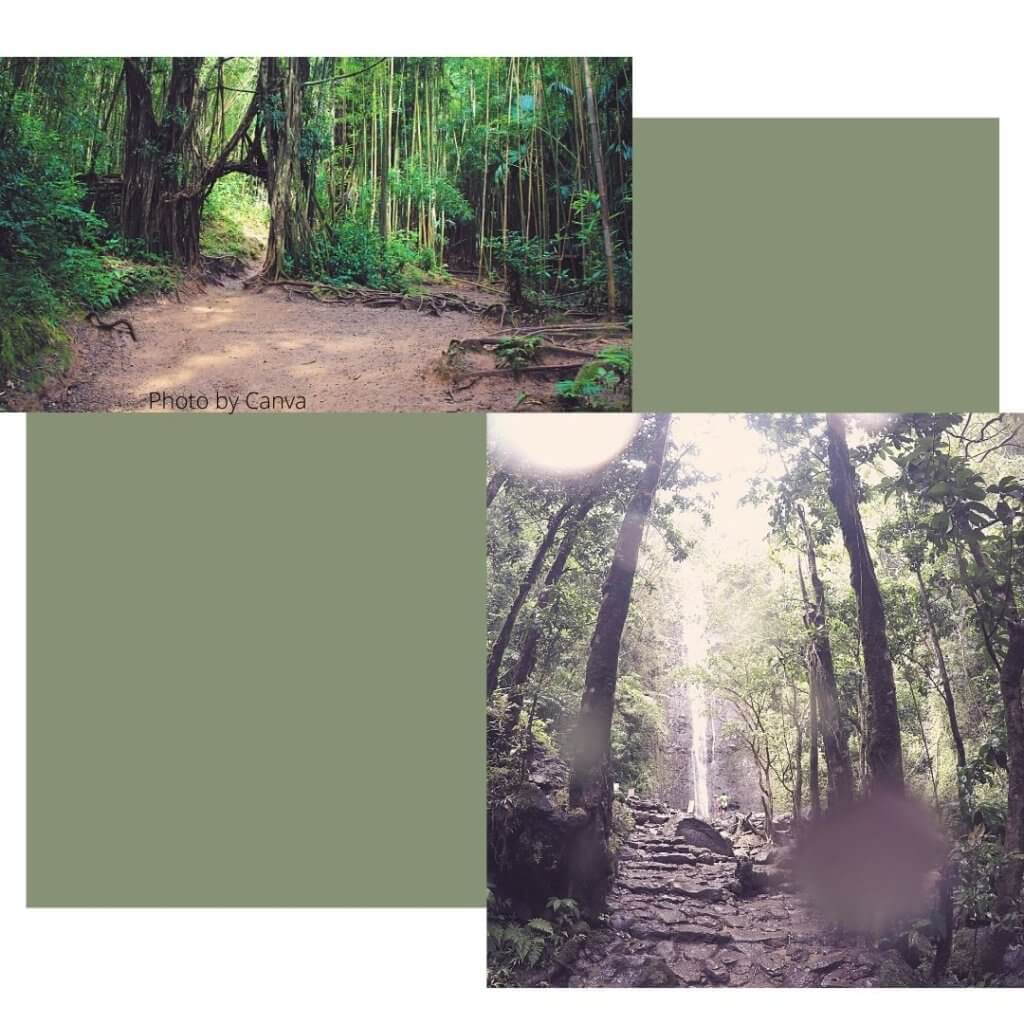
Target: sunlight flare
[{"x": 557, "y": 445}]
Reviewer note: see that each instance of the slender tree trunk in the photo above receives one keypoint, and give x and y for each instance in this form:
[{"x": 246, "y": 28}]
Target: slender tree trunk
[
  {"x": 495, "y": 484},
  {"x": 823, "y": 678},
  {"x": 885, "y": 752},
  {"x": 602, "y": 189},
  {"x": 798, "y": 757},
  {"x": 1011, "y": 873},
  {"x": 501, "y": 643},
  {"x": 814, "y": 778},
  {"x": 482, "y": 240},
  {"x": 940, "y": 660},
  {"x": 590, "y": 786},
  {"x": 528, "y": 651}
]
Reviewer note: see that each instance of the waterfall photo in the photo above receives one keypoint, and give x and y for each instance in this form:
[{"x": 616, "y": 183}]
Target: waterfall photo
[{"x": 754, "y": 711}]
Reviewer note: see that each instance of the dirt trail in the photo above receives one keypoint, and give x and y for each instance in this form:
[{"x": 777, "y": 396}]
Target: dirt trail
[{"x": 235, "y": 342}]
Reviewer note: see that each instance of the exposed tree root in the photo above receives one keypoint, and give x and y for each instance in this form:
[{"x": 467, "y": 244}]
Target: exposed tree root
[
  {"x": 94, "y": 318},
  {"x": 559, "y": 369},
  {"x": 544, "y": 330},
  {"x": 453, "y": 364},
  {"x": 483, "y": 344},
  {"x": 378, "y": 298},
  {"x": 118, "y": 327},
  {"x": 229, "y": 266}
]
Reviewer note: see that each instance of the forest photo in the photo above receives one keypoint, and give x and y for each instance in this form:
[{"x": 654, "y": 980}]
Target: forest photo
[
  {"x": 754, "y": 700},
  {"x": 321, "y": 233}
]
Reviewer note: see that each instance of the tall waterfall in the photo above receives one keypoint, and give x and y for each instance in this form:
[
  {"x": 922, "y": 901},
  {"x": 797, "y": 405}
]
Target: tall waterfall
[{"x": 699, "y": 750}]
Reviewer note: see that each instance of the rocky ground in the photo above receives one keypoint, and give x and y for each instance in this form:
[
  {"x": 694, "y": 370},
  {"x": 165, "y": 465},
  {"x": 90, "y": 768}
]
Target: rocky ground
[{"x": 691, "y": 906}]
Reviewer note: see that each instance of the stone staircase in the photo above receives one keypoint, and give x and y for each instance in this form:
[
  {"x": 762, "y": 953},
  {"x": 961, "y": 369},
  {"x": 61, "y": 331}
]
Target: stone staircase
[{"x": 688, "y": 909}]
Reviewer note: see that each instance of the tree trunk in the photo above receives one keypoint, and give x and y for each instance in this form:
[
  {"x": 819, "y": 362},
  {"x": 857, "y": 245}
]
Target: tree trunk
[
  {"x": 281, "y": 82},
  {"x": 885, "y": 753},
  {"x": 812, "y": 740},
  {"x": 501, "y": 643},
  {"x": 798, "y": 758},
  {"x": 590, "y": 786},
  {"x": 1011, "y": 873},
  {"x": 158, "y": 203},
  {"x": 165, "y": 180},
  {"x": 495, "y": 484},
  {"x": 821, "y": 670},
  {"x": 528, "y": 651},
  {"x": 940, "y": 660},
  {"x": 602, "y": 189}
]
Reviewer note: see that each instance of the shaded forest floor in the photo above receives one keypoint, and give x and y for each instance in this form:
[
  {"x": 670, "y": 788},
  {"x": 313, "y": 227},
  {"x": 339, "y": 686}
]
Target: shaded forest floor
[
  {"x": 229, "y": 339},
  {"x": 682, "y": 914}
]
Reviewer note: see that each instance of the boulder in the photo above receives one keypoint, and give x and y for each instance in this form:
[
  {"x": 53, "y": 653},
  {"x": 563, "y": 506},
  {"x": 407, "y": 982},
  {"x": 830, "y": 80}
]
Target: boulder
[
  {"x": 699, "y": 833},
  {"x": 547, "y": 771}
]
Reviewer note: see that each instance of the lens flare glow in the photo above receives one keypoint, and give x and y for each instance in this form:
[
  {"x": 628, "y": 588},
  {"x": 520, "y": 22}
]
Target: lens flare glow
[{"x": 556, "y": 444}]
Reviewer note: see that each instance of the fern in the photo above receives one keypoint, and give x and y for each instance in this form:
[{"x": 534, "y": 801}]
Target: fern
[{"x": 516, "y": 353}]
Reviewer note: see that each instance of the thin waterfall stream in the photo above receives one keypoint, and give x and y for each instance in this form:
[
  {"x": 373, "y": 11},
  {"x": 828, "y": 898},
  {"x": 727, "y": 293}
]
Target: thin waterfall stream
[{"x": 699, "y": 750}]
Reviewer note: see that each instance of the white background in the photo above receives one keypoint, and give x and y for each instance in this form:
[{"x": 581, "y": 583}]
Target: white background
[{"x": 709, "y": 59}]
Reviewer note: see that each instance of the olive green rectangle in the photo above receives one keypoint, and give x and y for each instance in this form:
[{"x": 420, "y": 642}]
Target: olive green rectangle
[
  {"x": 254, "y": 663},
  {"x": 782, "y": 264}
]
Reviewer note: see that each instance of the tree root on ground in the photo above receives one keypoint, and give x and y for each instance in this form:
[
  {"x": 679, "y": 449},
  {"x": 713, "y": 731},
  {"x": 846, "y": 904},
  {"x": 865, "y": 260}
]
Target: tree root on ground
[
  {"x": 483, "y": 344},
  {"x": 453, "y": 365},
  {"x": 94, "y": 318},
  {"x": 558, "y": 369},
  {"x": 117, "y": 327},
  {"x": 378, "y": 298},
  {"x": 228, "y": 265}
]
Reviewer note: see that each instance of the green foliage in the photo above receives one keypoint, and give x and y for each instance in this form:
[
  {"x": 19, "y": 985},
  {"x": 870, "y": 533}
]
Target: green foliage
[
  {"x": 601, "y": 384},
  {"x": 977, "y": 857},
  {"x": 527, "y": 263},
  {"x": 513, "y": 947},
  {"x": 516, "y": 353},
  {"x": 235, "y": 218},
  {"x": 355, "y": 252},
  {"x": 412, "y": 182},
  {"x": 638, "y": 725},
  {"x": 53, "y": 255}
]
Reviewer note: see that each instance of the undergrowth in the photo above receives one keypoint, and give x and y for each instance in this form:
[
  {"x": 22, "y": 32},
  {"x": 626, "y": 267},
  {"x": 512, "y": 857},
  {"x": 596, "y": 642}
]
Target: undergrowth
[
  {"x": 56, "y": 258},
  {"x": 235, "y": 218},
  {"x": 601, "y": 384}
]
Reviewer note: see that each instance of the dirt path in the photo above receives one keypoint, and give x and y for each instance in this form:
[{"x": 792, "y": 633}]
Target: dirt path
[{"x": 242, "y": 348}]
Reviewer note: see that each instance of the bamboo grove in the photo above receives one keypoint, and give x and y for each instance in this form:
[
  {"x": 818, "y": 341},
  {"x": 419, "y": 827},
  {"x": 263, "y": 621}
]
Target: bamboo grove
[
  {"x": 366, "y": 170},
  {"x": 868, "y": 641}
]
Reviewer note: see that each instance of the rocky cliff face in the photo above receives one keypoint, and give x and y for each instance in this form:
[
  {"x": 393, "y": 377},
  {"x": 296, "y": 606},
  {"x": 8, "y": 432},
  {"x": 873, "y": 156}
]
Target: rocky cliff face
[{"x": 703, "y": 757}]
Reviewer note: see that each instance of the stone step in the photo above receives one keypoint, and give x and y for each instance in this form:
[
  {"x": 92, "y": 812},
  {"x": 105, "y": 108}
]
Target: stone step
[
  {"x": 651, "y": 818},
  {"x": 673, "y": 857},
  {"x": 679, "y": 931},
  {"x": 640, "y": 804}
]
